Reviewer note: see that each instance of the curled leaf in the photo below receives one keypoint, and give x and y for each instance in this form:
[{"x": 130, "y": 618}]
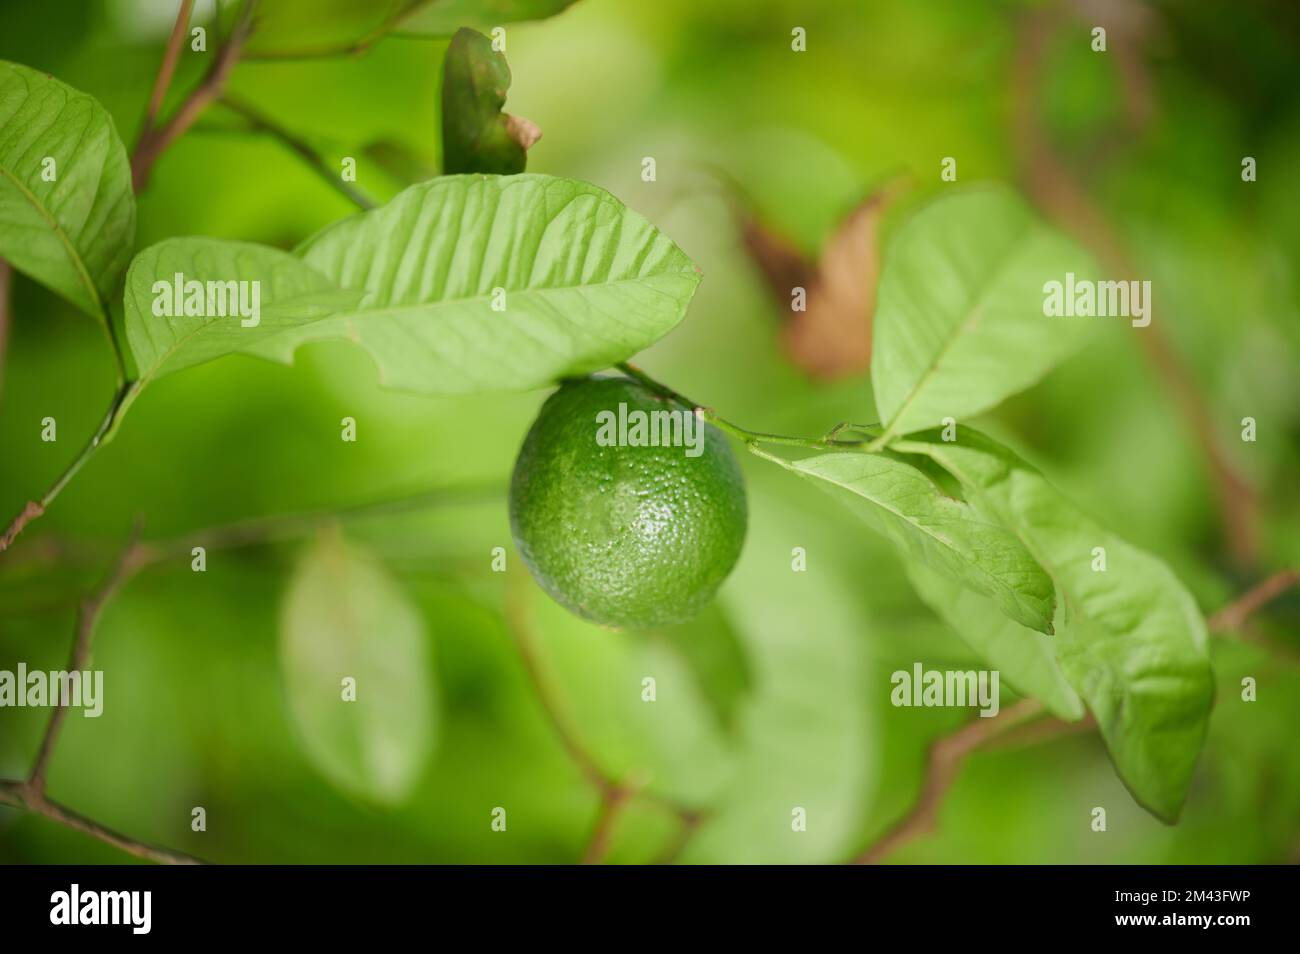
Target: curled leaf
[{"x": 476, "y": 135}]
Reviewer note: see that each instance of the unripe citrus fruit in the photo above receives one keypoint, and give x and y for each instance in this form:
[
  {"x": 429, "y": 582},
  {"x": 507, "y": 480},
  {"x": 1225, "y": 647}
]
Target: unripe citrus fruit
[{"x": 622, "y": 533}]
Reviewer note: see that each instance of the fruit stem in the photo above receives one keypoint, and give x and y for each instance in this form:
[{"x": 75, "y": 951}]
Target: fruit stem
[{"x": 831, "y": 441}]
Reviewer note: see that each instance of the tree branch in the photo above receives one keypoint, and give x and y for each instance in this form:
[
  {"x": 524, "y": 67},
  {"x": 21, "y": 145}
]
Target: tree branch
[
  {"x": 131, "y": 559},
  {"x": 614, "y": 792},
  {"x": 30, "y": 795},
  {"x": 154, "y": 141},
  {"x": 1235, "y": 614},
  {"x": 945, "y": 758},
  {"x": 136, "y": 556},
  {"x": 171, "y": 57},
  {"x": 19, "y": 795},
  {"x": 612, "y": 802}
]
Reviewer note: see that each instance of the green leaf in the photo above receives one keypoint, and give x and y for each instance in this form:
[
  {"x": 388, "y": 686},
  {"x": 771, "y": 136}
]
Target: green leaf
[
  {"x": 949, "y": 536},
  {"x": 959, "y": 322},
  {"x": 445, "y": 17},
  {"x": 710, "y": 647},
  {"x": 1024, "y": 657},
  {"x": 488, "y": 283},
  {"x": 1133, "y": 641},
  {"x": 288, "y": 294},
  {"x": 73, "y": 234},
  {"x": 476, "y": 135},
  {"x": 345, "y": 618}
]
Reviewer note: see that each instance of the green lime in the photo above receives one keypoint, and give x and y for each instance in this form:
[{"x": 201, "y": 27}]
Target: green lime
[{"x": 628, "y": 516}]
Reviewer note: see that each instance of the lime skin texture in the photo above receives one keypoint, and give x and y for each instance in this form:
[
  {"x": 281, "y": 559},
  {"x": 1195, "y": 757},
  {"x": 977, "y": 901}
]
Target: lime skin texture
[{"x": 625, "y": 536}]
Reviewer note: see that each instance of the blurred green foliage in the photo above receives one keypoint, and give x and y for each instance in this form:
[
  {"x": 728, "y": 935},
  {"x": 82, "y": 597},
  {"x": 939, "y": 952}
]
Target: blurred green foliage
[{"x": 783, "y": 698}]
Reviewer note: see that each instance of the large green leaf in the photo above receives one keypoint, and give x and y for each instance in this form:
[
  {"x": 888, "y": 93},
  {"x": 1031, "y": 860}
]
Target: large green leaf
[
  {"x": 1133, "y": 641},
  {"x": 73, "y": 234},
  {"x": 959, "y": 321},
  {"x": 900, "y": 502},
  {"x": 581, "y": 281},
  {"x": 445, "y": 17},
  {"x": 345, "y": 618},
  {"x": 476, "y": 135},
  {"x": 1023, "y": 657},
  {"x": 289, "y": 293}
]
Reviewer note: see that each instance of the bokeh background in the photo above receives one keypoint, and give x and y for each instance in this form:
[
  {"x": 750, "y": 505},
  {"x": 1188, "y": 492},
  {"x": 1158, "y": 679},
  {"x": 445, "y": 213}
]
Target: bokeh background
[{"x": 779, "y": 695}]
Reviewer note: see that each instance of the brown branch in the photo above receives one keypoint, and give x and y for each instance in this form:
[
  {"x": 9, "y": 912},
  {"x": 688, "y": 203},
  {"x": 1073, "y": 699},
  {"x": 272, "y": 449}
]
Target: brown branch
[
  {"x": 945, "y": 758},
  {"x": 614, "y": 792},
  {"x": 31, "y": 511},
  {"x": 1235, "y": 614},
  {"x": 87, "y": 617},
  {"x": 171, "y": 57},
  {"x": 525, "y": 641},
  {"x": 689, "y": 824},
  {"x": 30, "y": 795},
  {"x": 20, "y": 795},
  {"x": 1060, "y": 193},
  {"x": 612, "y": 802},
  {"x": 154, "y": 141}
]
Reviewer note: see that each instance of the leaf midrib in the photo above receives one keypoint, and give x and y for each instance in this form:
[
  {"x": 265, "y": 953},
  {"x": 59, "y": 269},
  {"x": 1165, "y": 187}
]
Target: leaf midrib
[
  {"x": 75, "y": 256},
  {"x": 976, "y": 307},
  {"x": 351, "y": 314},
  {"x": 939, "y": 538}
]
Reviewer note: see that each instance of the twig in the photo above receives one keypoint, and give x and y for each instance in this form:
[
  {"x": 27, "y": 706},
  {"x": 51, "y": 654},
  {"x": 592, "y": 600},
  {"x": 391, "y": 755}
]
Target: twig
[
  {"x": 20, "y": 795},
  {"x": 135, "y": 557},
  {"x": 612, "y": 801},
  {"x": 33, "y": 509},
  {"x": 1235, "y": 614},
  {"x": 30, "y": 795},
  {"x": 262, "y": 123},
  {"x": 87, "y": 617},
  {"x": 154, "y": 141},
  {"x": 171, "y": 56},
  {"x": 522, "y": 630},
  {"x": 614, "y": 792},
  {"x": 686, "y": 830},
  {"x": 945, "y": 758}
]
